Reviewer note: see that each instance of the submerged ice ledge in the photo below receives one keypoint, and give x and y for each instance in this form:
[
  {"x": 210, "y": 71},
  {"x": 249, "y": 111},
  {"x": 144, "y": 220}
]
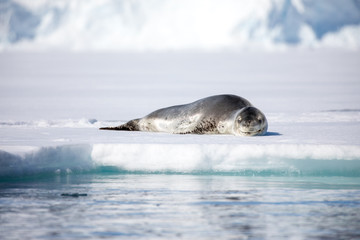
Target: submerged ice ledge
[{"x": 241, "y": 159}]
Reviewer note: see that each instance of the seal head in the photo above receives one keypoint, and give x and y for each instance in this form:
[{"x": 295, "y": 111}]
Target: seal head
[{"x": 250, "y": 121}]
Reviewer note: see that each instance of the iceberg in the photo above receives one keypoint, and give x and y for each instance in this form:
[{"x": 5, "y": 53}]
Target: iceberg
[{"x": 159, "y": 25}]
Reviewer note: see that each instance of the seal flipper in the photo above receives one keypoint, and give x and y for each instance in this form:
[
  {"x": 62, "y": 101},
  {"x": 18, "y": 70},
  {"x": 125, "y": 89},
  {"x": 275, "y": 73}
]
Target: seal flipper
[{"x": 129, "y": 126}]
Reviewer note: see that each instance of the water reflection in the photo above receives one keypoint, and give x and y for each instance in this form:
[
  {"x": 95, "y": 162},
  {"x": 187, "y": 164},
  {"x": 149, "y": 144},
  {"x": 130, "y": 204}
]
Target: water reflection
[{"x": 181, "y": 206}]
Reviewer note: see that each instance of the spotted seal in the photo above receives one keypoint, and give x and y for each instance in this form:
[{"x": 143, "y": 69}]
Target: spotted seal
[{"x": 220, "y": 114}]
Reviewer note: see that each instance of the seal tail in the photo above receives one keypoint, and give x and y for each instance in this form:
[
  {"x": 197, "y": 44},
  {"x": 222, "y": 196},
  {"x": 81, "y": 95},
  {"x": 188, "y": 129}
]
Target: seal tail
[
  {"x": 129, "y": 126},
  {"x": 118, "y": 128}
]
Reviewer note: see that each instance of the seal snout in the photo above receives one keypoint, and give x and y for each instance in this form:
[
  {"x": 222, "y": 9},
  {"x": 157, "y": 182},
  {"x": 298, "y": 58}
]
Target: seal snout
[{"x": 251, "y": 122}]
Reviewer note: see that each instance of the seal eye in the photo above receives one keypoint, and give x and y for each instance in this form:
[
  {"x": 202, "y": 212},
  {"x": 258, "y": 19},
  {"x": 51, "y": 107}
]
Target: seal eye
[{"x": 260, "y": 121}]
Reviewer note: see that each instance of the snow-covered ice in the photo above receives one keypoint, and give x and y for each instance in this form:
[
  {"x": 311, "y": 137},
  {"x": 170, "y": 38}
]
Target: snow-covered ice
[{"x": 52, "y": 105}]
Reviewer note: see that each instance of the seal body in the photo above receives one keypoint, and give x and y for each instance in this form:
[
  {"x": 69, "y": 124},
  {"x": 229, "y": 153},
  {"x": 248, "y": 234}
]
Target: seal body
[{"x": 220, "y": 114}]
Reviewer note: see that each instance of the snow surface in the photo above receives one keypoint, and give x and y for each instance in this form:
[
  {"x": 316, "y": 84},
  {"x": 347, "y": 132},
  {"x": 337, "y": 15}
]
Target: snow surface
[
  {"x": 211, "y": 25},
  {"x": 52, "y": 105}
]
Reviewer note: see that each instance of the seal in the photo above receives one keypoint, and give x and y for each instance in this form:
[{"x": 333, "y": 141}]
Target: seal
[{"x": 220, "y": 114}]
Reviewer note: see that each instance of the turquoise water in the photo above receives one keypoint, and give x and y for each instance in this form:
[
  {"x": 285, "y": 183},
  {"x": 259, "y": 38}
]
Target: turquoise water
[{"x": 179, "y": 206}]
